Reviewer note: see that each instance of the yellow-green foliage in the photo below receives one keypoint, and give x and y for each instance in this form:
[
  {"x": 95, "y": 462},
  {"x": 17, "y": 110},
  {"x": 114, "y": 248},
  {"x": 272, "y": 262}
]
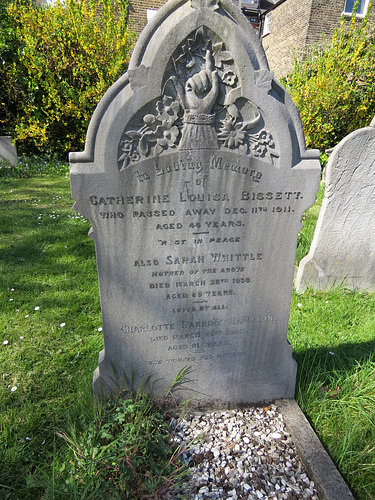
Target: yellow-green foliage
[
  {"x": 333, "y": 87},
  {"x": 70, "y": 53}
]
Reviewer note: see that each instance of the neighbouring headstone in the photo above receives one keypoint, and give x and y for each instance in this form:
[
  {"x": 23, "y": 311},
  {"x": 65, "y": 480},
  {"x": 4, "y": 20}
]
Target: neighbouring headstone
[
  {"x": 195, "y": 176},
  {"x": 343, "y": 248},
  {"x": 8, "y": 150}
]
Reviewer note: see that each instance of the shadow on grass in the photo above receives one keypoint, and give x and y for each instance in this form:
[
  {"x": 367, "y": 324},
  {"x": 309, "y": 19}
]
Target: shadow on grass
[
  {"x": 336, "y": 373},
  {"x": 336, "y": 392},
  {"x": 338, "y": 359}
]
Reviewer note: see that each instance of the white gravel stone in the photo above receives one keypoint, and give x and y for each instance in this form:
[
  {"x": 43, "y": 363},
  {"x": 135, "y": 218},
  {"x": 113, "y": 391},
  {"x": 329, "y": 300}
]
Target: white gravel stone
[
  {"x": 244, "y": 454},
  {"x": 246, "y": 487},
  {"x": 276, "y": 435}
]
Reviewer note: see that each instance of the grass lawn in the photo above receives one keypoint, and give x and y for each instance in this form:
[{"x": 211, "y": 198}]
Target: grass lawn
[
  {"x": 57, "y": 443},
  {"x": 50, "y": 317}
]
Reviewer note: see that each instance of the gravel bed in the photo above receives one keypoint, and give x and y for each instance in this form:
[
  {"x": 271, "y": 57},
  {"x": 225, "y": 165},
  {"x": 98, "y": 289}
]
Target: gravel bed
[{"x": 240, "y": 454}]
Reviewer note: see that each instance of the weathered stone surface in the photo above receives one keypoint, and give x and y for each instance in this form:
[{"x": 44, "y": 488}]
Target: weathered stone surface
[
  {"x": 195, "y": 176},
  {"x": 343, "y": 248},
  {"x": 8, "y": 150}
]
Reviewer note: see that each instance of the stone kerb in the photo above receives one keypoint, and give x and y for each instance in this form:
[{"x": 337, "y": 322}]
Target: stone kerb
[
  {"x": 342, "y": 252},
  {"x": 195, "y": 176}
]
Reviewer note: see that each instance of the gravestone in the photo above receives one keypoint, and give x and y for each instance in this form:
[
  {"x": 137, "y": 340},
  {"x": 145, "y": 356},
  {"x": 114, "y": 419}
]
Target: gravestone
[
  {"x": 195, "y": 176},
  {"x": 8, "y": 150},
  {"x": 343, "y": 248}
]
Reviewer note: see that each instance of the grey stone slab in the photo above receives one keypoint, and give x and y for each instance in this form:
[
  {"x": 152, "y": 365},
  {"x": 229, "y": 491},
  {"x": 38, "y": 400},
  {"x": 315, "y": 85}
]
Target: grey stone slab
[
  {"x": 343, "y": 248},
  {"x": 195, "y": 176},
  {"x": 8, "y": 150},
  {"x": 321, "y": 469}
]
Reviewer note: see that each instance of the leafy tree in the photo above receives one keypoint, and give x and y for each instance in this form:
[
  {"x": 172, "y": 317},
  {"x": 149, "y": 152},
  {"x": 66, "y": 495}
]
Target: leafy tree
[
  {"x": 69, "y": 53},
  {"x": 8, "y": 57},
  {"x": 333, "y": 87}
]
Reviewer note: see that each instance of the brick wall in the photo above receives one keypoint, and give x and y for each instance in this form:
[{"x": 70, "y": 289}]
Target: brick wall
[
  {"x": 288, "y": 34},
  {"x": 296, "y": 25},
  {"x": 138, "y": 12},
  {"x": 325, "y": 17}
]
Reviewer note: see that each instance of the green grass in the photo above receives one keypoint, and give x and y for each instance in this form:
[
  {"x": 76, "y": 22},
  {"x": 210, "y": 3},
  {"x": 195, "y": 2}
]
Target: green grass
[
  {"x": 333, "y": 337},
  {"x": 50, "y": 317},
  {"x": 53, "y": 434},
  {"x": 309, "y": 220},
  {"x": 55, "y": 439}
]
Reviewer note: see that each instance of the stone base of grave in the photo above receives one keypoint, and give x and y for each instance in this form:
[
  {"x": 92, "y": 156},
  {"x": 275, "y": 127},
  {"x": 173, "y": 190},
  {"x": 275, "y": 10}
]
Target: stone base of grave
[
  {"x": 8, "y": 150},
  {"x": 321, "y": 469}
]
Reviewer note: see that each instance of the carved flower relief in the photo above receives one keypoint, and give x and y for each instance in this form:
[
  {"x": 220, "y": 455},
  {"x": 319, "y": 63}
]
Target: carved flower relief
[
  {"x": 260, "y": 150},
  {"x": 167, "y": 111},
  {"x": 160, "y": 128},
  {"x": 234, "y": 135},
  {"x": 266, "y": 138},
  {"x": 168, "y": 138},
  {"x": 158, "y": 133},
  {"x": 194, "y": 61},
  {"x": 229, "y": 78},
  {"x": 130, "y": 153},
  {"x": 263, "y": 142},
  {"x": 263, "y": 145}
]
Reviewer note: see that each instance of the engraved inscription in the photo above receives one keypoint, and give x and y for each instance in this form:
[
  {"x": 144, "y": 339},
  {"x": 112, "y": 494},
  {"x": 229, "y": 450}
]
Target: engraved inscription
[
  {"x": 199, "y": 282},
  {"x": 202, "y": 337}
]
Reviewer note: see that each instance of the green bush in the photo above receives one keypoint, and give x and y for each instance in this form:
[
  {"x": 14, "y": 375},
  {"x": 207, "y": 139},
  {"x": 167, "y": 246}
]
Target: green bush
[
  {"x": 68, "y": 55},
  {"x": 333, "y": 87},
  {"x": 9, "y": 45}
]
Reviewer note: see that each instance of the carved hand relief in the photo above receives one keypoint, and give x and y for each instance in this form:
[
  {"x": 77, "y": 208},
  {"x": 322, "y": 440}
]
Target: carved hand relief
[{"x": 201, "y": 107}]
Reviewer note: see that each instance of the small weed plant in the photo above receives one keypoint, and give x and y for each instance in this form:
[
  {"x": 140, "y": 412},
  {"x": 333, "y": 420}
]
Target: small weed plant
[{"x": 126, "y": 451}]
